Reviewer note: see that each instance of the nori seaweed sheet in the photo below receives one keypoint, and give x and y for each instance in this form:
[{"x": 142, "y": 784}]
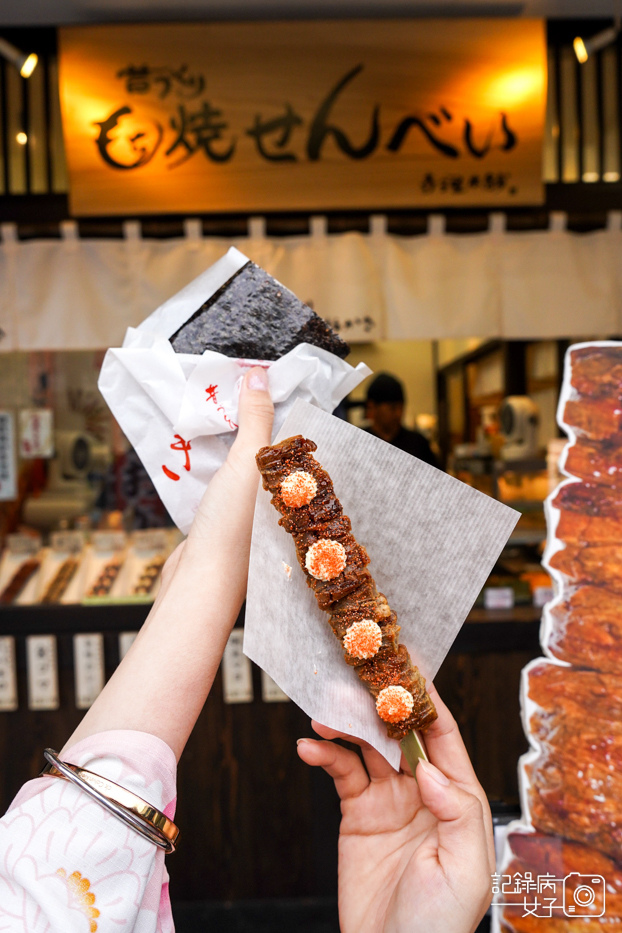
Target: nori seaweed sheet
[{"x": 255, "y": 317}]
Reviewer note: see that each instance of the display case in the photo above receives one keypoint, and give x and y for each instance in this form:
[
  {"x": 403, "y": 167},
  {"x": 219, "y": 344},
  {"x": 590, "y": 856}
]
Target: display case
[
  {"x": 55, "y": 656},
  {"x": 483, "y": 447}
]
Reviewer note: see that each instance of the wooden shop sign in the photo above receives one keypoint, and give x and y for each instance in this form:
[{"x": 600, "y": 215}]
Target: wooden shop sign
[{"x": 192, "y": 118}]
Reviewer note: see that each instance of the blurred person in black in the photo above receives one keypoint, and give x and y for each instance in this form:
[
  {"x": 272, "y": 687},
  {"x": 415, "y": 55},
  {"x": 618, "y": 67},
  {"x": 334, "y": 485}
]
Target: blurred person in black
[{"x": 385, "y": 409}]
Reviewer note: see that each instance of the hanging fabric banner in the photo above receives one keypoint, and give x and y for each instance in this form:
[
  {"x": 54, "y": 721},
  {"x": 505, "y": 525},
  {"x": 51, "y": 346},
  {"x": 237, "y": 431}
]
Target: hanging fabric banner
[
  {"x": 303, "y": 115},
  {"x": 64, "y": 294}
]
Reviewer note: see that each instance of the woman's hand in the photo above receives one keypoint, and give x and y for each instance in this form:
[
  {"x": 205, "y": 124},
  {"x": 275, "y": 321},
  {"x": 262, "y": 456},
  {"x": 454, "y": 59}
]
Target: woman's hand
[
  {"x": 163, "y": 681},
  {"x": 229, "y": 501},
  {"x": 414, "y": 855}
]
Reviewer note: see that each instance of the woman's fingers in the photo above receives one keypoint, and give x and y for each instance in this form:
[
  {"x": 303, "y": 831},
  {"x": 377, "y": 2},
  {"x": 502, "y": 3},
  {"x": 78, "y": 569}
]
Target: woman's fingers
[
  {"x": 462, "y": 831},
  {"x": 459, "y": 813},
  {"x": 442, "y": 739},
  {"x": 255, "y": 413},
  {"x": 447, "y": 751},
  {"x": 444, "y": 743},
  {"x": 343, "y": 765},
  {"x": 378, "y": 768},
  {"x": 229, "y": 500}
]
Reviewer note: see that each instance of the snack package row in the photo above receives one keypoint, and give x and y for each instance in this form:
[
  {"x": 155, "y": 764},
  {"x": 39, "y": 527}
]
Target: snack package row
[
  {"x": 109, "y": 566},
  {"x": 571, "y": 779}
]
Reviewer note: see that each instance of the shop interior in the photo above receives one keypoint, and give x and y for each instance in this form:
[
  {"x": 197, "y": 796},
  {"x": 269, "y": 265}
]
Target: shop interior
[{"x": 482, "y": 380}]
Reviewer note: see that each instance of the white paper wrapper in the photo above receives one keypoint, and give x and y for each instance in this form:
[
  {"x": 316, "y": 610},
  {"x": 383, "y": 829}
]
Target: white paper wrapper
[
  {"x": 179, "y": 410},
  {"x": 432, "y": 541}
]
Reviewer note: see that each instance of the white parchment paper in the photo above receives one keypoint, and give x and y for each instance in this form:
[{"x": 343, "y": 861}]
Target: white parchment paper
[
  {"x": 432, "y": 541},
  {"x": 179, "y": 410}
]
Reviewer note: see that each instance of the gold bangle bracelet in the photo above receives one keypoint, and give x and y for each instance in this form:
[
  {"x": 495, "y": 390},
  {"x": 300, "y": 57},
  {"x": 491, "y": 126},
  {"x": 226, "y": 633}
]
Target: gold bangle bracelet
[{"x": 125, "y": 805}]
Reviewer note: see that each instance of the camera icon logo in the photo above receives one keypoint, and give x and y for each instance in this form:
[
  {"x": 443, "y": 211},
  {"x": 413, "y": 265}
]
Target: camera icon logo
[{"x": 584, "y": 895}]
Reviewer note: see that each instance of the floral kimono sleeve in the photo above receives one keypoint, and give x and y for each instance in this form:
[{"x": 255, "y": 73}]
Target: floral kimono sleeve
[{"x": 67, "y": 865}]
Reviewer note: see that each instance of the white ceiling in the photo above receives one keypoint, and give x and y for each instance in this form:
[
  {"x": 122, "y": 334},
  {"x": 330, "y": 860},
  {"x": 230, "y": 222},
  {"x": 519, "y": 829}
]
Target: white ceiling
[{"x": 56, "y": 12}]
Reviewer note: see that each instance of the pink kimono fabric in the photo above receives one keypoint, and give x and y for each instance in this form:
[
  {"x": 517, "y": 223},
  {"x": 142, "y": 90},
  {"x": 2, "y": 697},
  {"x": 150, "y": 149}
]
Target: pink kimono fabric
[{"x": 67, "y": 865}]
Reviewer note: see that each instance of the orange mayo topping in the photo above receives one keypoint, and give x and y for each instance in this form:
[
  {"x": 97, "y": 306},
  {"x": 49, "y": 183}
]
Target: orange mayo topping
[
  {"x": 394, "y": 703},
  {"x": 363, "y": 639},
  {"x": 298, "y": 489},
  {"x": 325, "y": 559}
]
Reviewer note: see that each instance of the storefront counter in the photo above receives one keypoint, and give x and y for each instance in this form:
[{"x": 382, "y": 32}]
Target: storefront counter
[
  {"x": 484, "y": 629},
  {"x": 255, "y": 821}
]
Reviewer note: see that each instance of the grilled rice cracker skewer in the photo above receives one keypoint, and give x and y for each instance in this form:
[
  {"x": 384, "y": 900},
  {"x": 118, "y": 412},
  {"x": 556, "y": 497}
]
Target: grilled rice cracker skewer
[{"x": 335, "y": 567}]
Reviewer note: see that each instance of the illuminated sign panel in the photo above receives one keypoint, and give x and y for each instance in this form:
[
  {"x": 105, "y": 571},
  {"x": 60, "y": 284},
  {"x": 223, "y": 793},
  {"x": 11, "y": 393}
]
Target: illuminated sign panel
[{"x": 305, "y": 115}]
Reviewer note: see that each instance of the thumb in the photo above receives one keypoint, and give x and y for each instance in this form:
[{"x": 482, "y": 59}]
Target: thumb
[
  {"x": 238, "y": 478},
  {"x": 255, "y": 413},
  {"x": 461, "y": 827}
]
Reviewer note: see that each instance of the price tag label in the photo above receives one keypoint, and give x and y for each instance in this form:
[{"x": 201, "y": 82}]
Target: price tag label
[
  {"x": 236, "y": 671},
  {"x": 498, "y": 597},
  {"x": 109, "y": 540},
  {"x": 8, "y": 463},
  {"x": 8, "y": 674},
  {"x": 150, "y": 539},
  {"x": 126, "y": 640},
  {"x": 42, "y": 672},
  {"x": 88, "y": 659},
  {"x": 270, "y": 690},
  {"x": 542, "y": 595},
  {"x": 67, "y": 542},
  {"x": 23, "y": 544},
  {"x": 36, "y": 433}
]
